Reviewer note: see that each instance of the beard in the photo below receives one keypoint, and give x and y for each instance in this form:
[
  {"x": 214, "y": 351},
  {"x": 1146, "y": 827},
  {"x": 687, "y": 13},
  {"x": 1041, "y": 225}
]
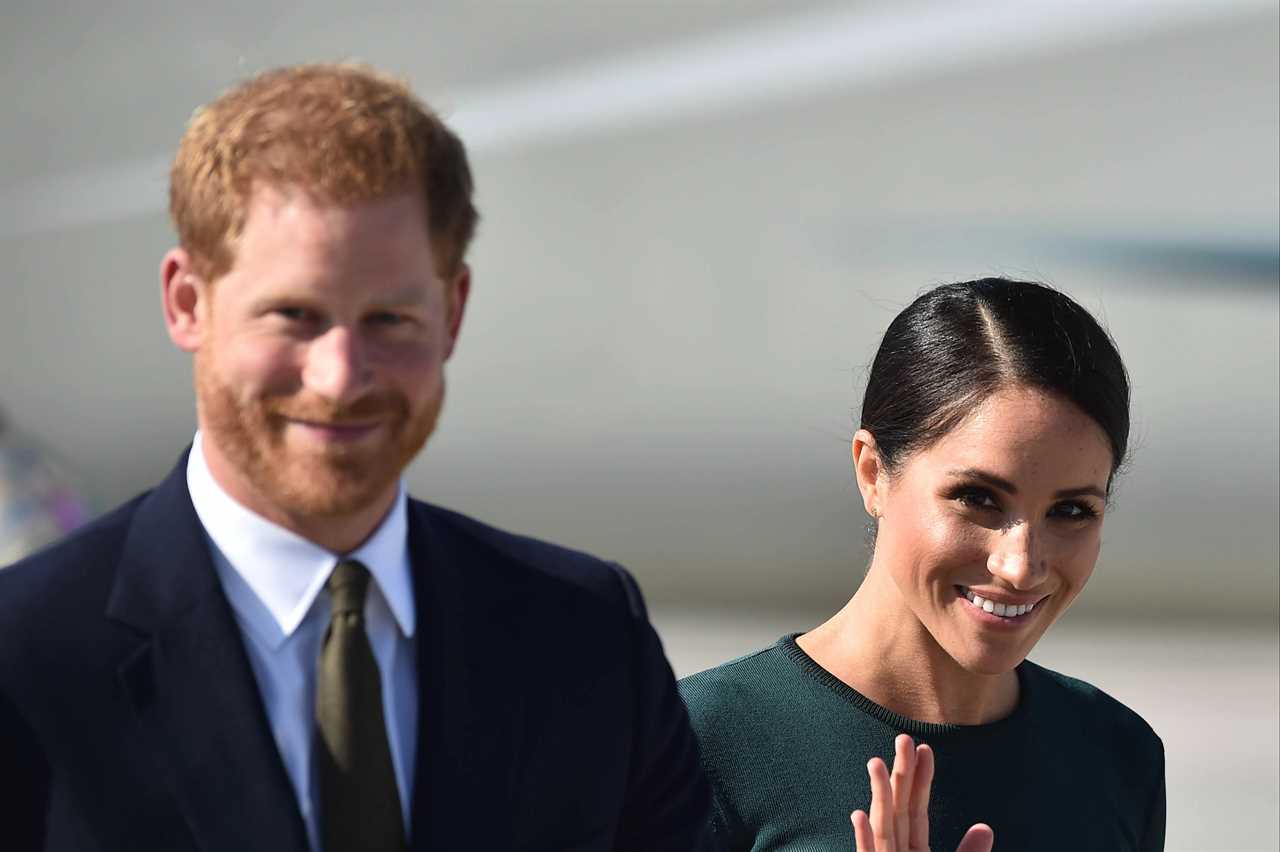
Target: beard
[{"x": 329, "y": 481}]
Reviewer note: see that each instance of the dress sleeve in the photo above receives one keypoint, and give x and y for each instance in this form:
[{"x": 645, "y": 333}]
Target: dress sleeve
[{"x": 668, "y": 803}]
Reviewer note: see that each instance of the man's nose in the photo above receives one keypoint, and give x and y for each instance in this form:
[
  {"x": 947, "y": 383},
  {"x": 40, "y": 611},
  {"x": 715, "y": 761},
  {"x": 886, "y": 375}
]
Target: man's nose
[
  {"x": 336, "y": 365},
  {"x": 1017, "y": 559}
]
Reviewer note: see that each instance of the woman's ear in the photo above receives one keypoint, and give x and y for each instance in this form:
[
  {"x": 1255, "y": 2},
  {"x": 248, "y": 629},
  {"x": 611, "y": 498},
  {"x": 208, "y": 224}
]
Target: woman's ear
[
  {"x": 869, "y": 471},
  {"x": 182, "y": 292}
]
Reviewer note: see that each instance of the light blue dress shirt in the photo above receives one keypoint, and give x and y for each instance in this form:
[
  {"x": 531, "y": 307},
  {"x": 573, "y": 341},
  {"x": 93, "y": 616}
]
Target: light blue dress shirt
[{"x": 274, "y": 580}]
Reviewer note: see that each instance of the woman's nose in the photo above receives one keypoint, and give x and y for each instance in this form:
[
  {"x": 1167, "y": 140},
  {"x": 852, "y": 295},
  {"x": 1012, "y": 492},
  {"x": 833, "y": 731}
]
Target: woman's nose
[{"x": 1016, "y": 559}]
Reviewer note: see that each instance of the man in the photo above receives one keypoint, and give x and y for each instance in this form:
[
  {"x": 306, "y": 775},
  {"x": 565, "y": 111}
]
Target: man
[{"x": 276, "y": 649}]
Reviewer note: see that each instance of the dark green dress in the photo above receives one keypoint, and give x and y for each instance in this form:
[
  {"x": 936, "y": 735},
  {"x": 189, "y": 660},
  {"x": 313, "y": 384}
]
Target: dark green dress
[{"x": 786, "y": 746}]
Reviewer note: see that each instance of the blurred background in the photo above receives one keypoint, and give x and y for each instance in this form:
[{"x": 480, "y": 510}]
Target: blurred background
[{"x": 698, "y": 218}]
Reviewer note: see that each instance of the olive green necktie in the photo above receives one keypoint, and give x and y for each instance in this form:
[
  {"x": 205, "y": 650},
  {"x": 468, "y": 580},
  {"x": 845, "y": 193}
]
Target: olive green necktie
[{"x": 359, "y": 801}]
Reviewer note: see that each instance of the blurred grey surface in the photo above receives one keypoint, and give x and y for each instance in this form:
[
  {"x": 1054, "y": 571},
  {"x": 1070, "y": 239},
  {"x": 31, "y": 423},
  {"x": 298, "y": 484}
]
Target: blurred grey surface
[{"x": 698, "y": 218}]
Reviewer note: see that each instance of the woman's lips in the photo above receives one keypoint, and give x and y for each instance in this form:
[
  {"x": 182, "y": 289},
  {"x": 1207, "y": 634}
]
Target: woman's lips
[{"x": 1009, "y": 609}]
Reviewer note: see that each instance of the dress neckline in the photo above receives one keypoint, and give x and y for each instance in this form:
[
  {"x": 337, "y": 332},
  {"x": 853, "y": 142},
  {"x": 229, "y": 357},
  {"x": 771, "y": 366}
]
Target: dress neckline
[{"x": 916, "y": 728}]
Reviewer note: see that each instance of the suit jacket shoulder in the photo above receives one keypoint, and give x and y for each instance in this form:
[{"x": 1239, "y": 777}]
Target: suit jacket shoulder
[
  {"x": 517, "y": 558},
  {"x": 49, "y": 600},
  {"x": 127, "y": 703},
  {"x": 49, "y": 608},
  {"x": 559, "y": 691}
]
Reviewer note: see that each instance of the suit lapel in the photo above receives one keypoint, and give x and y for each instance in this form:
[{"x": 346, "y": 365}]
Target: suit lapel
[
  {"x": 191, "y": 687},
  {"x": 470, "y": 684}
]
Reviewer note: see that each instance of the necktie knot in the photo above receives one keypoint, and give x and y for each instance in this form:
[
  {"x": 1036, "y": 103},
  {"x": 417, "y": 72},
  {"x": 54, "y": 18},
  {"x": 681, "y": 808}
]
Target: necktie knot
[{"x": 348, "y": 585}]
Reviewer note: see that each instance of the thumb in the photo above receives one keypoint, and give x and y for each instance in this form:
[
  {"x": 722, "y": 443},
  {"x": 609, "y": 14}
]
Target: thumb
[{"x": 979, "y": 838}]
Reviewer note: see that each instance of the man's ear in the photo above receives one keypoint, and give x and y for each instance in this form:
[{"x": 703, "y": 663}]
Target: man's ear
[
  {"x": 184, "y": 296},
  {"x": 870, "y": 472},
  {"x": 457, "y": 289}
]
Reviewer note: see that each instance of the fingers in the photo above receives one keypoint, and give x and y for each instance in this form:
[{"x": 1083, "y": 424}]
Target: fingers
[
  {"x": 899, "y": 812},
  {"x": 904, "y": 764},
  {"x": 921, "y": 788},
  {"x": 979, "y": 838},
  {"x": 882, "y": 816},
  {"x": 862, "y": 835}
]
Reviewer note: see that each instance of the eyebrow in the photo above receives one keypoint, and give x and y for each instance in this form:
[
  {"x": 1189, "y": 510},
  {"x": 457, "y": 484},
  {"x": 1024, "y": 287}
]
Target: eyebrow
[
  {"x": 1009, "y": 488},
  {"x": 402, "y": 298},
  {"x": 405, "y": 297}
]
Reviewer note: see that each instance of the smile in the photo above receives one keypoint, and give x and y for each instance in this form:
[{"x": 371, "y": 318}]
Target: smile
[
  {"x": 1004, "y": 610},
  {"x": 337, "y": 431}
]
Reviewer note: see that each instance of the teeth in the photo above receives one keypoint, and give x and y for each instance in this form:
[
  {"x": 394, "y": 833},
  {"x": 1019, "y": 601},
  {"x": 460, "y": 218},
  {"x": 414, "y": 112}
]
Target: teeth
[{"x": 1003, "y": 610}]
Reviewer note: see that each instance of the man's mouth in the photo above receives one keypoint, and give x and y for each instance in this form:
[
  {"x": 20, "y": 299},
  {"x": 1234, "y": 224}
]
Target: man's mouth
[{"x": 337, "y": 430}]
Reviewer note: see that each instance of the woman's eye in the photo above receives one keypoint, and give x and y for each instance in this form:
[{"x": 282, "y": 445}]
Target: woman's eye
[
  {"x": 1073, "y": 511},
  {"x": 977, "y": 498}
]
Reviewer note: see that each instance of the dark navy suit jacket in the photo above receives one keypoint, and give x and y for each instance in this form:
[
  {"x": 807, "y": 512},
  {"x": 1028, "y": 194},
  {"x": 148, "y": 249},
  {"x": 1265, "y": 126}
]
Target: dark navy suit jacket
[{"x": 130, "y": 718}]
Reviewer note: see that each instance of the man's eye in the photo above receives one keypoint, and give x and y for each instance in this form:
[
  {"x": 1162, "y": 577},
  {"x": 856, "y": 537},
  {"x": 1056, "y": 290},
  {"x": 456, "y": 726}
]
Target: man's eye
[
  {"x": 293, "y": 314},
  {"x": 387, "y": 318}
]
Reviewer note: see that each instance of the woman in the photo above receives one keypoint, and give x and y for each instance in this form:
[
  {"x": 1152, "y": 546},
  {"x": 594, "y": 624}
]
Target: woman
[{"x": 995, "y": 418}]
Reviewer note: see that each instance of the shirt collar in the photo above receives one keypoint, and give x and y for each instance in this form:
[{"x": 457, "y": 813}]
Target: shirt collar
[{"x": 285, "y": 571}]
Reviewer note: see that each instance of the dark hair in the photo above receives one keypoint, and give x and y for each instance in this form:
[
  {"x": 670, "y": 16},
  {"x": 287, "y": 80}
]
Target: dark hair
[{"x": 959, "y": 343}]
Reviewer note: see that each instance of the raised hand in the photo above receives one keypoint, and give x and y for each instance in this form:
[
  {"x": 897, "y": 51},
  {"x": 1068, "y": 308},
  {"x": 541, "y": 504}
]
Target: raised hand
[{"x": 899, "y": 820}]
